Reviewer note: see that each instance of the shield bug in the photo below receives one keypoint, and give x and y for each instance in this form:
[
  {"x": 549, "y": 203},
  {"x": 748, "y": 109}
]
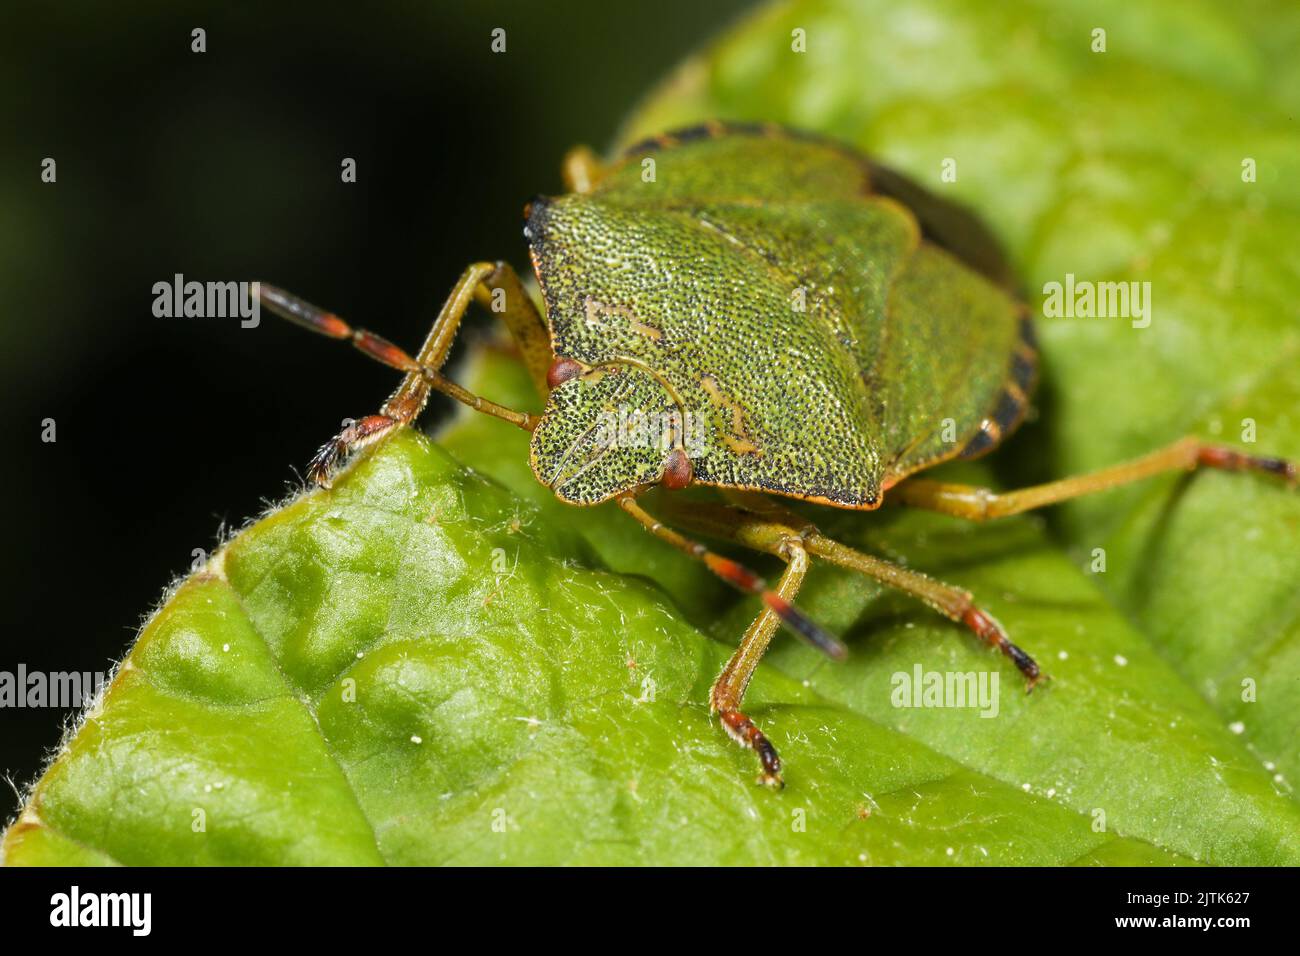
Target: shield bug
[{"x": 771, "y": 314}]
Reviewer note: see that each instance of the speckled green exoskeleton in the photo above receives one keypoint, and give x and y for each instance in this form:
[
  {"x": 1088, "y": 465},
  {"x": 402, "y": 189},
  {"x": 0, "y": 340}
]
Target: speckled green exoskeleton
[{"x": 773, "y": 315}]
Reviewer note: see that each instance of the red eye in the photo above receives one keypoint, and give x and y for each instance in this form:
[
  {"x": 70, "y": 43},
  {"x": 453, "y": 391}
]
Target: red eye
[
  {"x": 677, "y": 471},
  {"x": 561, "y": 370}
]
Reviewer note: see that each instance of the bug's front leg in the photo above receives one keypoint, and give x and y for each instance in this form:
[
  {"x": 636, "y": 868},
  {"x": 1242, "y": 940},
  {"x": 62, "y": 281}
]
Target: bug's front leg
[
  {"x": 729, "y": 689},
  {"x": 354, "y": 436},
  {"x": 778, "y": 609},
  {"x": 495, "y": 285}
]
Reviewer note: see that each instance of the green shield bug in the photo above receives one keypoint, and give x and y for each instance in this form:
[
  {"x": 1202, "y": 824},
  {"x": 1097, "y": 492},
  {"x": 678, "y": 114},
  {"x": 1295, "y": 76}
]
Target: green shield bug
[{"x": 771, "y": 314}]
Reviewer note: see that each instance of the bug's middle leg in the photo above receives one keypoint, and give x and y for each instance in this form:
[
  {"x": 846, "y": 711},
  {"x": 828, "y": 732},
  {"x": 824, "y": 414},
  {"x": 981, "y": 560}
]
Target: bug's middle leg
[
  {"x": 760, "y": 523},
  {"x": 496, "y": 286}
]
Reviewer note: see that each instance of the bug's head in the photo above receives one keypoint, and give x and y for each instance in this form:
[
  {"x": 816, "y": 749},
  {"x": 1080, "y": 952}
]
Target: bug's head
[{"x": 608, "y": 430}]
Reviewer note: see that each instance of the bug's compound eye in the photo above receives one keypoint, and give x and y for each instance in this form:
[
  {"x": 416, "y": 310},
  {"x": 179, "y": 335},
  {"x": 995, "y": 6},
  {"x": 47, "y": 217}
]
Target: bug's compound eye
[
  {"x": 677, "y": 470},
  {"x": 533, "y": 212},
  {"x": 561, "y": 370}
]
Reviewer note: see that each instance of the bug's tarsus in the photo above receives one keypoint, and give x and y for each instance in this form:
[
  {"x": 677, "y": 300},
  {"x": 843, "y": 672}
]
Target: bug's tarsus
[
  {"x": 1229, "y": 459},
  {"x": 355, "y": 436},
  {"x": 729, "y": 689},
  {"x": 724, "y": 699},
  {"x": 986, "y": 628},
  {"x": 323, "y": 464},
  {"x": 763, "y": 524},
  {"x": 746, "y": 733}
]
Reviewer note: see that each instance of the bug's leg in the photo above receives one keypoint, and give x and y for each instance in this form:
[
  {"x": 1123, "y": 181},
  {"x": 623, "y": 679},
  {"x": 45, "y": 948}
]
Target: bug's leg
[
  {"x": 766, "y": 530},
  {"x": 978, "y": 504},
  {"x": 952, "y": 602},
  {"x": 495, "y": 285},
  {"x": 767, "y": 506},
  {"x": 741, "y": 578},
  {"x": 581, "y": 169},
  {"x": 729, "y": 689}
]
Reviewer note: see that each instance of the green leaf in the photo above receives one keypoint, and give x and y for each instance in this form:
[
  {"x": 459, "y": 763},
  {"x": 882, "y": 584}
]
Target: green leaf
[
  {"x": 403, "y": 669},
  {"x": 426, "y": 665}
]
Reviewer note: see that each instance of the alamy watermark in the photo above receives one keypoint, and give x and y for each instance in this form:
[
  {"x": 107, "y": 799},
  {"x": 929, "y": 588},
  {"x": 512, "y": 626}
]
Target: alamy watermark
[
  {"x": 179, "y": 299},
  {"x": 633, "y": 428},
  {"x": 1084, "y": 299},
  {"x": 59, "y": 689},
  {"x": 922, "y": 688},
  {"x": 133, "y": 911}
]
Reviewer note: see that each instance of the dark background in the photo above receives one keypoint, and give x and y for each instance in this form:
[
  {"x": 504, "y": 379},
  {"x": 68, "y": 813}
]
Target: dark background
[{"x": 226, "y": 166}]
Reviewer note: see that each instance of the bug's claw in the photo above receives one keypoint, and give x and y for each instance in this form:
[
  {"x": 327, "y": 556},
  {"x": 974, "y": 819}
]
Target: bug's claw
[
  {"x": 771, "y": 761},
  {"x": 355, "y": 436},
  {"x": 1289, "y": 470},
  {"x": 1038, "y": 678},
  {"x": 320, "y": 470},
  {"x": 744, "y": 732},
  {"x": 1027, "y": 665}
]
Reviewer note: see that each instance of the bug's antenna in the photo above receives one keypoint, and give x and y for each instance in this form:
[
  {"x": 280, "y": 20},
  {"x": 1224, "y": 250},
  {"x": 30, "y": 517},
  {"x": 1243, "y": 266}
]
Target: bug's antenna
[
  {"x": 301, "y": 312},
  {"x": 742, "y": 578}
]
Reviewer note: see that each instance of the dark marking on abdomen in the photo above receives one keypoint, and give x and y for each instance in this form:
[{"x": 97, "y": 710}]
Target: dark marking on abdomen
[
  {"x": 716, "y": 129},
  {"x": 983, "y": 441},
  {"x": 1013, "y": 400}
]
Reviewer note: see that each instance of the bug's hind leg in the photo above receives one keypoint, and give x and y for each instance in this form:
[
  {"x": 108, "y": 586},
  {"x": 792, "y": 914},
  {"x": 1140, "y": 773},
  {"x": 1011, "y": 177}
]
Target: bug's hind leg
[
  {"x": 979, "y": 504},
  {"x": 761, "y": 523},
  {"x": 582, "y": 169},
  {"x": 495, "y": 285}
]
